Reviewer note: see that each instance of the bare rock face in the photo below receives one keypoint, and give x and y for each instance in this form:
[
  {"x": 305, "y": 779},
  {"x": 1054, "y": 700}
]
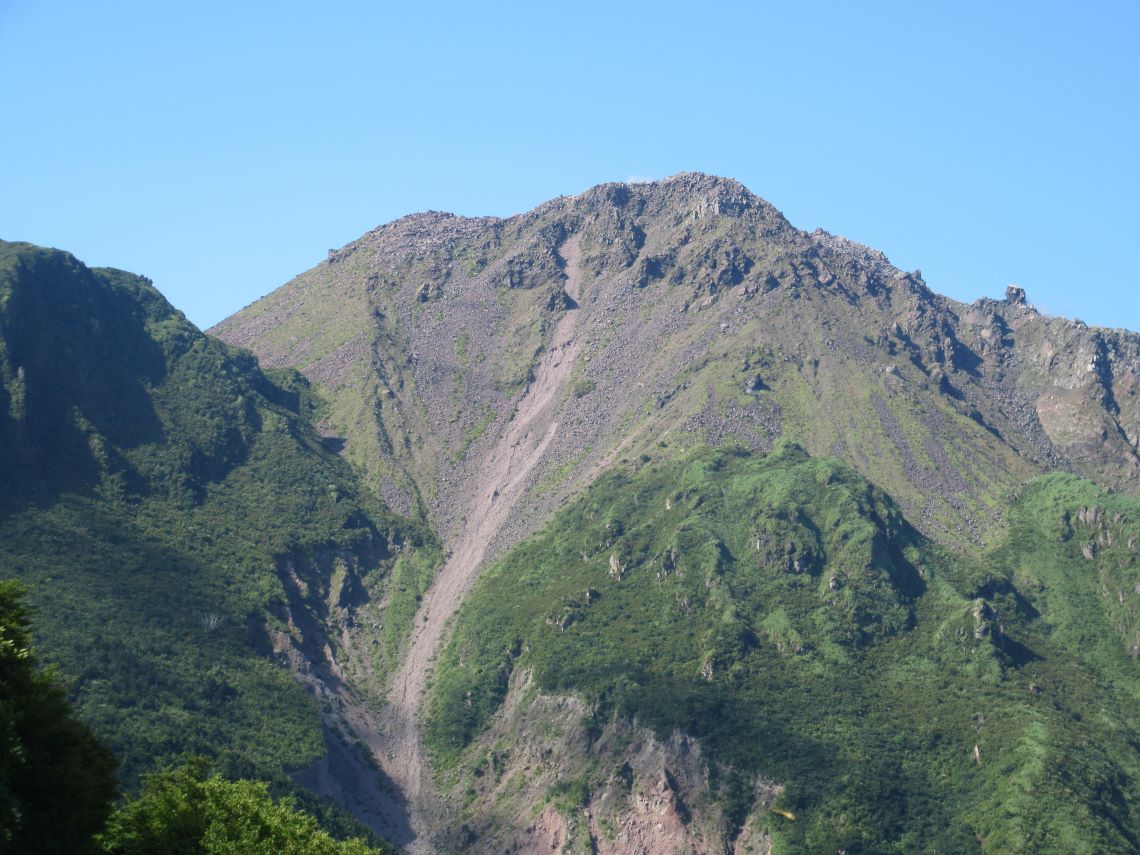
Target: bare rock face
[
  {"x": 424, "y": 334},
  {"x": 630, "y": 793},
  {"x": 1086, "y": 380}
]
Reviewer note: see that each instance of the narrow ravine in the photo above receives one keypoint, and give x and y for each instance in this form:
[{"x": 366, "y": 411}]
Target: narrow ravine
[{"x": 499, "y": 485}]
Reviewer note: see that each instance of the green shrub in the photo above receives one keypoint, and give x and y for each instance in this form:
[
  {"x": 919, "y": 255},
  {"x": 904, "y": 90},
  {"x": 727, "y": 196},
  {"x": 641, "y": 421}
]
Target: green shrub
[{"x": 186, "y": 812}]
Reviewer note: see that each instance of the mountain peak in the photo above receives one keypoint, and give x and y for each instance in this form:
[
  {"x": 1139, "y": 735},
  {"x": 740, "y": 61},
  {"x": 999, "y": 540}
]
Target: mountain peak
[
  {"x": 685, "y": 191},
  {"x": 691, "y": 288}
]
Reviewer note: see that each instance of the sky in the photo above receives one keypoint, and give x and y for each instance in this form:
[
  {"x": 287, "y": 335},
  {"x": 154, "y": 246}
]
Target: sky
[{"x": 222, "y": 148}]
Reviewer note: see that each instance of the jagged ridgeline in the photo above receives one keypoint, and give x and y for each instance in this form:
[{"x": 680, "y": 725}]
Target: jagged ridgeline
[
  {"x": 178, "y": 523},
  {"x": 851, "y": 686},
  {"x": 703, "y": 316}
]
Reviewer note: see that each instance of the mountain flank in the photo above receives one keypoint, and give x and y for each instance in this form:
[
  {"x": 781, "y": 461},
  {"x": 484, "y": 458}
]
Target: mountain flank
[
  {"x": 185, "y": 536},
  {"x": 731, "y": 652},
  {"x": 636, "y": 325},
  {"x": 504, "y": 475},
  {"x": 640, "y": 522},
  {"x": 706, "y": 317}
]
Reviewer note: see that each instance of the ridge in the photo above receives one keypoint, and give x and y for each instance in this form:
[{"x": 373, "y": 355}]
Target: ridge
[{"x": 701, "y": 317}]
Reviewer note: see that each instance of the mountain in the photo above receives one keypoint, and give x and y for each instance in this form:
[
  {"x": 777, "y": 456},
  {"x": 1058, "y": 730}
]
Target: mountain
[
  {"x": 185, "y": 536},
  {"x": 640, "y": 522},
  {"x": 703, "y": 316},
  {"x": 893, "y": 612}
]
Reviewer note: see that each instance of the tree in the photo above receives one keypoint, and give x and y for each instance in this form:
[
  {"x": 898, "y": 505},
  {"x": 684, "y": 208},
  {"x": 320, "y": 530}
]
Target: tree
[
  {"x": 57, "y": 780},
  {"x": 185, "y": 812}
]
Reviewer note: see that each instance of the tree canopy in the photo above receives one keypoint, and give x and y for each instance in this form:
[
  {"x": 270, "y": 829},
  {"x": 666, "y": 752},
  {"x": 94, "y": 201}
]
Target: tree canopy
[
  {"x": 185, "y": 811},
  {"x": 57, "y": 780}
]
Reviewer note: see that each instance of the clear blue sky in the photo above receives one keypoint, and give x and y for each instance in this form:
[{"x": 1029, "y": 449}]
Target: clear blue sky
[{"x": 222, "y": 148}]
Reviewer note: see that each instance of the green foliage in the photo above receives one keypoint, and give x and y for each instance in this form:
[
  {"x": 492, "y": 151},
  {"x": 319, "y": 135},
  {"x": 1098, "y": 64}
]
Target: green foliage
[
  {"x": 158, "y": 492},
  {"x": 583, "y": 386},
  {"x": 57, "y": 784},
  {"x": 56, "y": 781},
  {"x": 462, "y": 343},
  {"x": 781, "y": 610},
  {"x": 472, "y": 434},
  {"x": 410, "y": 577},
  {"x": 186, "y": 812},
  {"x": 569, "y": 796}
]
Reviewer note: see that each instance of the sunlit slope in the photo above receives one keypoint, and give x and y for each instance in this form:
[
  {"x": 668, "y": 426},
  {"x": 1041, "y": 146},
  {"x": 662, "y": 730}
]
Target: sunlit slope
[
  {"x": 704, "y": 317},
  {"x": 830, "y": 661}
]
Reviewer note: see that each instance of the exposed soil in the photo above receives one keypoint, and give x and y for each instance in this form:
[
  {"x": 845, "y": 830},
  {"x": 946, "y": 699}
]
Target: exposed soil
[
  {"x": 646, "y": 795},
  {"x": 347, "y": 773},
  {"x": 498, "y": 487}
]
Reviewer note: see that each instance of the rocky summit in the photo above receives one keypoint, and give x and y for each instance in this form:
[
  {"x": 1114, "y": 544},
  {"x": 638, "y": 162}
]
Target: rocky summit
[
  {"x": 642, "y": 522},
  {"x": 481, "y": 374},
  {"x": 703, "y": 317}
]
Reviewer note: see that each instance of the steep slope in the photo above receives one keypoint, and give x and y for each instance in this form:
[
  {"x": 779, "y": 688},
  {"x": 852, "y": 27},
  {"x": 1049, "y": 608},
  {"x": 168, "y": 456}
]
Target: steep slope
[
  {"x": 503, "y": 479},
  {"x": 690, "y": 314},
  {"x": 705, "y": 316},
  {"x": 728, "y": 652},
  {"x": 185, "y": 535}
]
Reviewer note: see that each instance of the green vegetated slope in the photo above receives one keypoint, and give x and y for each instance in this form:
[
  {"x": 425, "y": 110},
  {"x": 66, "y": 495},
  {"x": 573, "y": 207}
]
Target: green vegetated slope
[
  {"x": 57, "y": 786},
  {"x": 158, "y": 491},
  {"x": 781, "y": 610}
]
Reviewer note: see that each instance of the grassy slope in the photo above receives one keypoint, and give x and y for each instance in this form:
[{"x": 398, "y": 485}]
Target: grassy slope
[
  {"x": 862, "y": 682},
  {"x": 154, "y": 480}
]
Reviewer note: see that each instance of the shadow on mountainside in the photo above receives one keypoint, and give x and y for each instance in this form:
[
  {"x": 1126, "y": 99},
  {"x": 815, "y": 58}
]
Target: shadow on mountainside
[{"x": 350, "y": 777}]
